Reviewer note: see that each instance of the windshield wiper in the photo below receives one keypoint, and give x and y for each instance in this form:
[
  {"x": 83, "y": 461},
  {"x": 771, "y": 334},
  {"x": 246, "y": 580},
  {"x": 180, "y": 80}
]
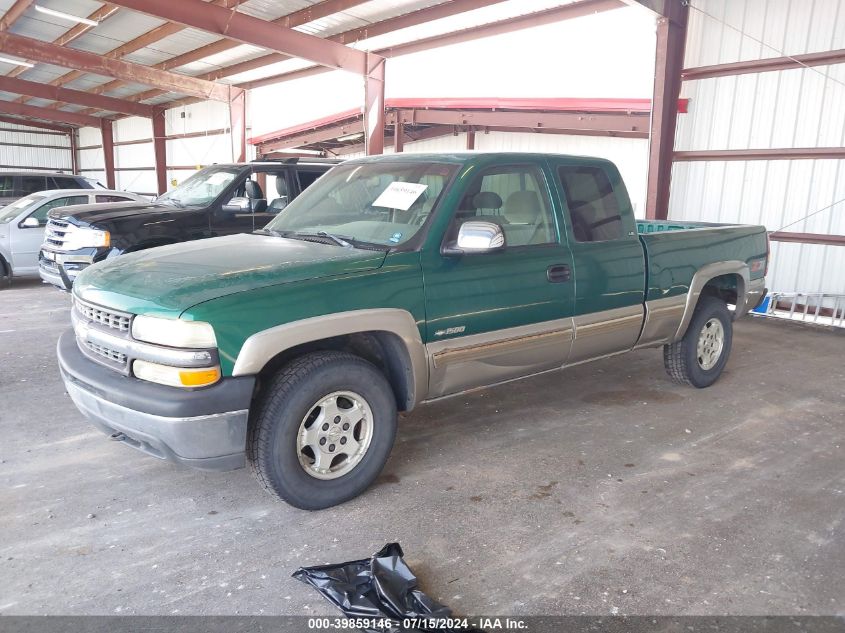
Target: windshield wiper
[
  {"x": 336, "y": 238},
  {"x": 269, "y": 232}
]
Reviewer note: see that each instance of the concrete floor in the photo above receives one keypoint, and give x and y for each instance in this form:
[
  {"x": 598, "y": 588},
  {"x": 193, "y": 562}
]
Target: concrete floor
[{"x": 604, "y": 489}]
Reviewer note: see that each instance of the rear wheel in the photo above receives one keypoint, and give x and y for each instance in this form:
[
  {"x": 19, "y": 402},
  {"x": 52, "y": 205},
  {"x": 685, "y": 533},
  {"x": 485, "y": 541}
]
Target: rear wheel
[
  {"x": 323, "y": 430},
  {"x": 700, "y": 356}
]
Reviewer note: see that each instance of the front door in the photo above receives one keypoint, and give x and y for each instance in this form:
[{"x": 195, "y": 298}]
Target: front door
[
  {"x": 27, "y": 240},
  {"x": 496, "y": 316}
]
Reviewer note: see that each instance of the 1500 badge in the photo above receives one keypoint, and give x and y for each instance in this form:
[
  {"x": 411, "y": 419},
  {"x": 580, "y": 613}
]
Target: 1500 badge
[{"x": 451, "y": 330}]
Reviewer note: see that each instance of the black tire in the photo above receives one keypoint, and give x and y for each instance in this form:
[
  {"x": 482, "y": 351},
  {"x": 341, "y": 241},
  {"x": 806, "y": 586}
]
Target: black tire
[
  {"x": 681, "y": 358},
  {"x": 272, "y": 441}
]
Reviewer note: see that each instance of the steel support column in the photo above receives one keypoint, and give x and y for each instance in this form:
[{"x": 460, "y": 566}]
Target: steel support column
[
  {"x": 374, "y": 105},
  {"x": 470, "y": 139},
  {"x": 108, "y": 151},
  {"x": 160, "y": 149},
  {"x": 74, "y": 151},
  {"x": 237, "y": 125},
  {"x": 398, "y": 136},
  {"x": 669, "y": 62}
]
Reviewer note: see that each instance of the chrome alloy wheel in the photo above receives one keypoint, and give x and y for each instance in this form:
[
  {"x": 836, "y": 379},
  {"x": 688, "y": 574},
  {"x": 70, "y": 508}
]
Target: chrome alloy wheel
[
  {"x": 711, "y": 342},
  {"x": 334, "y": 435}
]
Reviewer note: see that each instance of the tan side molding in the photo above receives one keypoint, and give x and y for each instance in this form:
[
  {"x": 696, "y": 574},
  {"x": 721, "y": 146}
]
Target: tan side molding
[{"x": 261, "y": 347}]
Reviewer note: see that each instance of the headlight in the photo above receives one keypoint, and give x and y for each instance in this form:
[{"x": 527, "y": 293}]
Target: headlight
[
  {"x": 85, "y": 238},
  {"x": 173, "y": 332},
  {"x": 175, "y": 376}
]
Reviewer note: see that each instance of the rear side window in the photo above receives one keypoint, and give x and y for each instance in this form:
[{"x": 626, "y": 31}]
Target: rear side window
[
  {"x": 31, "y": 184},
  {"x": 307, "y": 178},
  {"x": 7, "y": 185},
  {"x": 64, "y": 182},
  {"x": 593, "y": 207},
  {"x": 112, "y": 198}
]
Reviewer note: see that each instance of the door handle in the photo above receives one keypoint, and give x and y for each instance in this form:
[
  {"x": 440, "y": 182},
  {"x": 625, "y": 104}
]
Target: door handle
[{"x": 558, "y": 273}]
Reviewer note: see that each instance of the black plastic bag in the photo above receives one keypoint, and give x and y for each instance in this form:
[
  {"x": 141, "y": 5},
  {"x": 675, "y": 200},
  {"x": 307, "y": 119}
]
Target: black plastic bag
[{"x": 382, "y": 586}]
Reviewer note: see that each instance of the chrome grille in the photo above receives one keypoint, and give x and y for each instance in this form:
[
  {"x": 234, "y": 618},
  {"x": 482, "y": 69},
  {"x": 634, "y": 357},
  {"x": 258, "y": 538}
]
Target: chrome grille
[
  {"x": 106, "y": 353},
  {"x": 116, "y": 320},
  {"x": 56, "y": 232}
]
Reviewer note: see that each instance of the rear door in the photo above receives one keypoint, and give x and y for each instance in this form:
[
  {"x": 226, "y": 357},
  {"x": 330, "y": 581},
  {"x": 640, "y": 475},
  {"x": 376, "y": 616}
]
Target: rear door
[
  {"x": 607, "y": 255},
  {"x": 504, "y": 314}
]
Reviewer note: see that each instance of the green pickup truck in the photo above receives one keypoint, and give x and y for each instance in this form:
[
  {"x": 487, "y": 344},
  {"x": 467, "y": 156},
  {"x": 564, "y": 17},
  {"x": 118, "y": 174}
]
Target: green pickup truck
[{"x": 392, "y": 281}]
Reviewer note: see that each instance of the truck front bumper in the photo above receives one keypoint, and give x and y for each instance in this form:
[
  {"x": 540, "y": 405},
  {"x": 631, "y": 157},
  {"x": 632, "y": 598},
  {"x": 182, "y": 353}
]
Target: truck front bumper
[
  {"x": 61, "y": 269},
  {"x": 202, "y": 428}
]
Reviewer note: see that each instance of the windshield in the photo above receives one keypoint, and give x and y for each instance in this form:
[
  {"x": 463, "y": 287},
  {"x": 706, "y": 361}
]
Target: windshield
[
  {"x": 378, "y": 203},
  {"x": 11, "y": 211},
  {"x": 201, "y": 188}
]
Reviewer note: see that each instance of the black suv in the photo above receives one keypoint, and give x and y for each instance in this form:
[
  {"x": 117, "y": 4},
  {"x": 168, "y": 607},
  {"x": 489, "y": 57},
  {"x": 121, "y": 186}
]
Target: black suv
[
  {"x": 217, "y": 200},
  {"x": 17, "y": 184}
]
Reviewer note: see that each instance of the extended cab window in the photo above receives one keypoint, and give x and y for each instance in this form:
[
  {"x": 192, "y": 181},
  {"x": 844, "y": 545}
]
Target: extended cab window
[
  {"x": 514, "y": 198},
  {"x": 593, "y": 207}
]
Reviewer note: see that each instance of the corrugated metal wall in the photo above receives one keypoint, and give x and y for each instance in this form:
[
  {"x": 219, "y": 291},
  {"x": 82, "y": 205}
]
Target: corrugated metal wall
[
  {"x": 629, "y": 154},
  {"x": 791, "y": 108},
  {"x": 135, "y": 163},
  {"x": 91, "y": 160},
  {"x": 24, "y": 147},
  {"x": 208, "y": 117}
]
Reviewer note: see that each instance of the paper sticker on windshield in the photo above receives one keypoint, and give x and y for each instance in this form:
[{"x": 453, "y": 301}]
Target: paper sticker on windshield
[{"x": 400, "y": 195}]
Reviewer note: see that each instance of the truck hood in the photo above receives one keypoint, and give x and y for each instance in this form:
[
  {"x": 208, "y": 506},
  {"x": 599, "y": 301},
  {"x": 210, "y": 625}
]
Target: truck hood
[
  {"x": 103, "y": 214},
  {"x": 170, "y": 279}
]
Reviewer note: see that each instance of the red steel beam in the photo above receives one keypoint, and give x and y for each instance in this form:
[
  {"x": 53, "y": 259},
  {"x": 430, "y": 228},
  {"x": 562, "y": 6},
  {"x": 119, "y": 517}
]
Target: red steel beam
[
  {"x": 107, "y": 133},
  {"x": 78, "y": 97},
  {"x": 44, "y": 126},
  {"x": 160, "y": 150},
  {"x": 66, "y": 38},
  {"x": 808, "y": 238},
  {"x": 13, "y": 13},
  {"x": 671, "y": 41},
  {"x": 414, "y": 18},
  {"x": 254, "y": 31},
  {"x": 56, "y": 116},
  {"x": 89, "y": 62},
  {"x": 529, "y": 120},
  {"x": 789, "y": 153},
  {"x": 298, "y": 18},
  {"x": 142, "y": 41},
  {"x": 824, "y": 58},
  {"x": 310, "y": 137},
  {"x": 538, "y": 18}
]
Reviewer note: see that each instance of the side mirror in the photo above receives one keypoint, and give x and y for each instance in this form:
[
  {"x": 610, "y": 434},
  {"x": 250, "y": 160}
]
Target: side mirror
[
  {"x": 30, "y": 223},
  {"x": 476, "y": 237},
  {"x": 238, "y": 205}
]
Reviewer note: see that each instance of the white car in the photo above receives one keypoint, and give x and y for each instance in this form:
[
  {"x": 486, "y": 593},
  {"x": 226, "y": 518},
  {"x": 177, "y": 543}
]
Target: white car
[{"x": 22, "y": 223}]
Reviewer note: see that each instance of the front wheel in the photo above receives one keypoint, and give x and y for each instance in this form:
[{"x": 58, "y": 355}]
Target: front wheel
[
  {"x": 700, "y": 356},
  {"x": 323, "y": 430}
]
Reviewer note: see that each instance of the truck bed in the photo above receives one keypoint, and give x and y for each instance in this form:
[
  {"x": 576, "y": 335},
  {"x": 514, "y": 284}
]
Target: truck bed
[{"x": 675, "y": 250}]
